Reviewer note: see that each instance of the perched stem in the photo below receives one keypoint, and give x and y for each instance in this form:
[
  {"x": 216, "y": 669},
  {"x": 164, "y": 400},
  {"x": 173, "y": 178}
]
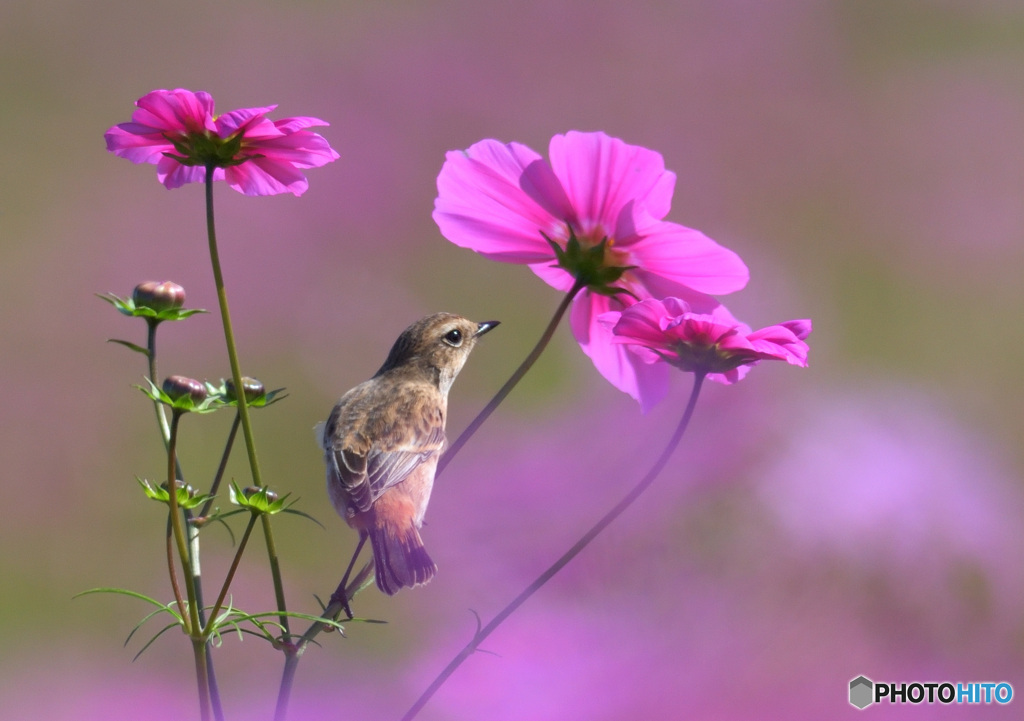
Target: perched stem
[
  {"x": 294, "y": 651},
  {"x": 275, "y": 572},
  {"x": 231, "y": 574},
  {"x": 291, "y": 665},
  {"x": 558, "y": 565},
  {"x": 229, "y": 336},
  {"x": 517, "y": 376}
]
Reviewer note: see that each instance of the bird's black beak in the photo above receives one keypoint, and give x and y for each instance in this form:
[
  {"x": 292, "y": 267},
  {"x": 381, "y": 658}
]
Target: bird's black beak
[{"x": 486, "y": 326}]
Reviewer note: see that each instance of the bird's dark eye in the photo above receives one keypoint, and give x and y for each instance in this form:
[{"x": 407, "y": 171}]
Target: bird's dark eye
[{"x": 453, "y": 337}]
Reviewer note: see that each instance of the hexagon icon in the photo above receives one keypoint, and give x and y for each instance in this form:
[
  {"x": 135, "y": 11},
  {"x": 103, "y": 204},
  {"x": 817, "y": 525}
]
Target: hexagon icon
[{"x": 861, "y": 692}]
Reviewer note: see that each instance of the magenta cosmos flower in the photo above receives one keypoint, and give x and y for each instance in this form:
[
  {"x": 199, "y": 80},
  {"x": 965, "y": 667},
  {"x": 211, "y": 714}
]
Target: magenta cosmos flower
[
  {"x": 507, "y": 203},
  {"x": 178, "y": 131},
  {"x": 712, "y": 343}
]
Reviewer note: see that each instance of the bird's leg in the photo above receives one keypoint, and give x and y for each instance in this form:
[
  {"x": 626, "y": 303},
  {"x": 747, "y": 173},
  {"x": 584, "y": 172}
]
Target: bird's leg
[{"x": 340, "y": 594}]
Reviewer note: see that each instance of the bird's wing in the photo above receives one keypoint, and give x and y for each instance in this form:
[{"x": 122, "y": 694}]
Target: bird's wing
[
  {"x": 371, "y": 456},
  {"x": 386, "y": 467}
]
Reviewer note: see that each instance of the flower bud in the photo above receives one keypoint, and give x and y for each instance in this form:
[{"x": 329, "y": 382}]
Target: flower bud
[
  {"x": 189, "y": 490},
  {"x": 251, "y": 491},
  {"x": 251, "y": 387},
  {"x": 179, "y": 386},
  {"x": 159, "y": 296}
]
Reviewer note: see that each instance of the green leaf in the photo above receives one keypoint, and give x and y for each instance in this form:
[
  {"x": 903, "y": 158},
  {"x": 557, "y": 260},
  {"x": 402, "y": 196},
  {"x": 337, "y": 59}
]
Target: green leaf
[
  {"x": 148, "y": 616},
  {"x": 124, "y": 305},
  {"x": 130, "y": 346},
  {"x": 254, "y": 617},
  {"x": 149, "y": 643},
  {"x": 304, "y": 515},
  {"x": 126, "y": 592}
]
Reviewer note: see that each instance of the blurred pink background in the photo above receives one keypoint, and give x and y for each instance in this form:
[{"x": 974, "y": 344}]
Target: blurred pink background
[{"x": 863, "y": 516}]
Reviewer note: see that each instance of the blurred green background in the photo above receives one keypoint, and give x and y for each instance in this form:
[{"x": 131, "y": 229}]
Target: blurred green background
[{"x": 863, "y": 516}]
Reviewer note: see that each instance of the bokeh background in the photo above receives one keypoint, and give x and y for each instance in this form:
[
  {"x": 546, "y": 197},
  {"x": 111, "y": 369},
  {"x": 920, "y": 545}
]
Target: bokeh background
[{"x": 863, "y": 516}]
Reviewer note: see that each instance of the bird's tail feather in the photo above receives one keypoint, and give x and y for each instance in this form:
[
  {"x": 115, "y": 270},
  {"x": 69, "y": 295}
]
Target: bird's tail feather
[{"x": 400, "y": 559}]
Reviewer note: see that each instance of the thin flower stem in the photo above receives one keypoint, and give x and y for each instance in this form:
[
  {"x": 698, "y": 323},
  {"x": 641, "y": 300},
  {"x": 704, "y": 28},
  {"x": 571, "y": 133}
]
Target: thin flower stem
[
  {"x": 275, "y": 572},
  {"x": 517, "y": 376},
  {"x": 178, "y": 532},
  {"x": 175, "y": 587},
  {"x": 193, "y": 626},
  {"x": 589, "y": 536},
  {"x": 197, "y": 581},
  {"x": 223, "y": 464},
  {"x": 161, "y": 415},
  {"x": 230, "y": 575},
  {"x": 229, "y": 336}
]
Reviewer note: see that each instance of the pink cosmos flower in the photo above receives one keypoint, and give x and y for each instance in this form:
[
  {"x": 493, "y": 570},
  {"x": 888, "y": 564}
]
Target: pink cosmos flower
[
  {"x": 713, "y": 343},
  {"x": 178, "y": 131},
  {"x": 507, "y": 203}
]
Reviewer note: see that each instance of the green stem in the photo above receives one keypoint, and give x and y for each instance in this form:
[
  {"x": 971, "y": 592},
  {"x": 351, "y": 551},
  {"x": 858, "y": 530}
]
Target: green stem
[
  {"x": 230, "y": 575},
  {"x": 193, "y": 626},
  {"x": 177, "y": 527},
  {"x": 197, "y": 581},
  {"x": 275, "y": 572},
  {"x": 589, "y": 536},
  {"x": 202, "y": 675},
  {"x": 229, "y": 336},
  {"x": 517, "y": 376},
  {"x": 175, "y": 587},
  {"x": 215, "y": 486},
  {"x": 161, "y": 415}
]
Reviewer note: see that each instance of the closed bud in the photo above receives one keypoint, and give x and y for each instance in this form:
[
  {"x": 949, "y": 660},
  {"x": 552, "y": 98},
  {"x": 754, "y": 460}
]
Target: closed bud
[
  {"x": 251, "y": 491},
  {"x": 158, "y": 296},
  {"x": 251, "y": 387},
  {"x": 177, "y": 387},
  {"x": 179, "y": 484}
]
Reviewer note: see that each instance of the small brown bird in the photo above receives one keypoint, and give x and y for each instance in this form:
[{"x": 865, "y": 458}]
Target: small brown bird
[{"x": 382, "y": 442}]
